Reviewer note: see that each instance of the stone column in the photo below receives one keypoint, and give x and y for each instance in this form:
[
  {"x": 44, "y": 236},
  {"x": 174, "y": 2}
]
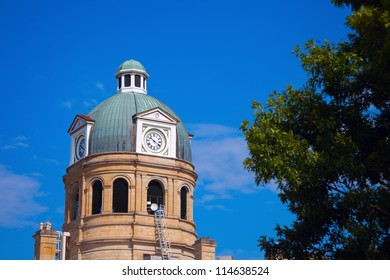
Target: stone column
[
  {"x": 85, "y": 210},
  {"x": 83, "y": 199},
  {"x": 131, "y": 201},
  {"x": 139, "y": 191},
  {"x": 107, "y": 199},
  {"x": 190, "y": 207}
]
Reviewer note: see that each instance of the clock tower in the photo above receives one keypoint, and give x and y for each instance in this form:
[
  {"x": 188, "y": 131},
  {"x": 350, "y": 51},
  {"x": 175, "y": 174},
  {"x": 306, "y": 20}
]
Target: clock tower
[{"x": 130, "y": 152}]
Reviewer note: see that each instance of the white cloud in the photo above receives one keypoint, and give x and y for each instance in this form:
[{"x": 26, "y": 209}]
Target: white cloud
[
  {"x": 86, "y": 103},
  {"x": 17, "y": 199},
  {"x": 21, "y": 144},
  {"x": 52, "y": 161},
  {"x": 212, "y": 131},
  {"x": 68, "y": 104},
  {"x": 273, "y": 186},
  {"x": 15, "y": 143},
  {"x": 217, "y": 206},
  {"x": 89, "y": 103},
  {"x": 206, "y": 198},
  {"x": 7, "y": 147},
  {"x": 100, "y": 86},
  {"x": 20, "y": 138},
  {"x": 60, "y": 210},
  {"x": 218, "y": 154},
  {"x": 36, "y": 174}
]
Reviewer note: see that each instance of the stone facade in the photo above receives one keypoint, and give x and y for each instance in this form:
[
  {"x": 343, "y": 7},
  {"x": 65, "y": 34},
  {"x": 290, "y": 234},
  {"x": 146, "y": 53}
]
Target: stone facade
[
  {"x": 130, "y": 235},
  {"x": 205, "y": 249}
]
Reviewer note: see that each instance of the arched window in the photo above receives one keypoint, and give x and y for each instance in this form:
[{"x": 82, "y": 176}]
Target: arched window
[
  {"x": 120, "y": 196},
  {"x": 76, "y": 205},
  {"x": 97, "y": 190},
  {"x": 183, "y": 203},
  {"x": 155, "y": 194}
]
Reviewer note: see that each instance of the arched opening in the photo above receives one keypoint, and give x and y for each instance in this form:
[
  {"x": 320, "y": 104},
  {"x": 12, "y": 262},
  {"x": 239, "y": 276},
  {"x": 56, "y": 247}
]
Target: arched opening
[
  {"x": 137, "y": 80},
  {"x": 183, "y": 203},
  {"x": 97, "y": 191},
  {"x": 155, "y": 194},
  {"x": 127, "y": 80},
  {"x": 120, "y": 196},
  {"x": 75, "y": 207}
]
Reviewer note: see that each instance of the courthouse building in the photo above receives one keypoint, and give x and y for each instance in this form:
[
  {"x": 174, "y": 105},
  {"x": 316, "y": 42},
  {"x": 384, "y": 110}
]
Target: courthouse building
[{"x": 129, "y": 186}]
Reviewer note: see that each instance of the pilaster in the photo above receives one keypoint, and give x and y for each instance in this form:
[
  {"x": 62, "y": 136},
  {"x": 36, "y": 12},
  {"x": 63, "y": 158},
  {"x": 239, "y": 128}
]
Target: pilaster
[{"x": 107, "y": 199}]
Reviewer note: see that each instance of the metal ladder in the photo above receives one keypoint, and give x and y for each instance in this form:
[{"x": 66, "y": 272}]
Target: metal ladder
[
  {"x": 162, "y": 232},
  {"x": 61, "y": 244}
]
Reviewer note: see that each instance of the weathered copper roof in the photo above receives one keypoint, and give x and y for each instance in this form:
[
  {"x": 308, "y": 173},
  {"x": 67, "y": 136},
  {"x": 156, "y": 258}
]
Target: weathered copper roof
[{"x": 113, "y": 124}]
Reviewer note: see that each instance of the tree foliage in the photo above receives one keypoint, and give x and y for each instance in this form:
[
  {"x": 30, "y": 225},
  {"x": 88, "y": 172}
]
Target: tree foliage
[{"x": 327, "y": 145}]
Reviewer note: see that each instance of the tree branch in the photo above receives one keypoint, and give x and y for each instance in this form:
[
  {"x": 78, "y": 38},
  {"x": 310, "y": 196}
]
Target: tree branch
[{"x": 380, "y": 209}]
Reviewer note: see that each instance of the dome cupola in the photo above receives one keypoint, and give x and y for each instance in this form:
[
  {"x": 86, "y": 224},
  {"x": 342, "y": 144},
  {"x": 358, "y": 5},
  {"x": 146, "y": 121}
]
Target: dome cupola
[
  {"x": 131, "y": 76},
  {"x": 130, "y": 121}
]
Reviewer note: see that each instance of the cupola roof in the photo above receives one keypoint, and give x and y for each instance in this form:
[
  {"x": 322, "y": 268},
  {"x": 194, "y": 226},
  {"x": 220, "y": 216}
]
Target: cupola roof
[{"x": 131, "y": 65}]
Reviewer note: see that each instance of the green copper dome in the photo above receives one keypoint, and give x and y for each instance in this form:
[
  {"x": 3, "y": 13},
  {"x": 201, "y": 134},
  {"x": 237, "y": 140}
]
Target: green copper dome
[
  {"x": 131, "y": 64},
  {"x": 113, "y": 129}
]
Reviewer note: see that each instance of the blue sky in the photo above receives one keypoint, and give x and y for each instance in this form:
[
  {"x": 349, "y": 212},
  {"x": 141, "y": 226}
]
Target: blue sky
[{"x": 207, "y": 59}]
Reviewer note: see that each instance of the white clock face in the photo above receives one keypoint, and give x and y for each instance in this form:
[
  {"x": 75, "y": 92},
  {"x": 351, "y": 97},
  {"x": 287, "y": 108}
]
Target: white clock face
[
  {"x": 154, "y": 141},
  {"x": 80, "y": 147}
]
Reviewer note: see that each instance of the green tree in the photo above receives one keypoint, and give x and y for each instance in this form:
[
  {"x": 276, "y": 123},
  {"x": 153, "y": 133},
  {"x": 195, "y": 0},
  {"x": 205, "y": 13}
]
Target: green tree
[{"x": 327, "y": 145}]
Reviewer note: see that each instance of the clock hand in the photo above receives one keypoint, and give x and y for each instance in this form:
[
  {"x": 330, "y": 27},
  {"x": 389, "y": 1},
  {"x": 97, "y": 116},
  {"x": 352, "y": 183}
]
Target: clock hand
[{"x": 153, "y": 140}]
